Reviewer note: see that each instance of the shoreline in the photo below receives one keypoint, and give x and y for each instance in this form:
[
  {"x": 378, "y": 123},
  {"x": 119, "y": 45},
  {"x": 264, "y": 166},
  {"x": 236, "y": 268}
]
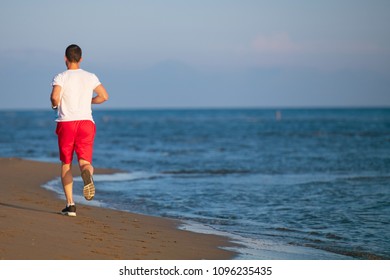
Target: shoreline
[{"x": 33, "y": 229}]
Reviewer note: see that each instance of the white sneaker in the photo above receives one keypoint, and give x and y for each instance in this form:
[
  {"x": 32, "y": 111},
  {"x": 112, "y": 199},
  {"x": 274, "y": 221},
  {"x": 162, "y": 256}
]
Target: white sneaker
[{"x": 89, "y": 187}]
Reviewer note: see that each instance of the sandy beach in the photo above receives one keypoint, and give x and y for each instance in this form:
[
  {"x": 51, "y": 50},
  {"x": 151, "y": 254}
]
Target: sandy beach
[{"x": 32, "y": 228}]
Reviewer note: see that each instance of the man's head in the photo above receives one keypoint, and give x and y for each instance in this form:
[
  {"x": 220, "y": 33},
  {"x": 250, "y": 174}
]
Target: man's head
[{"x": 73, "y": 53}]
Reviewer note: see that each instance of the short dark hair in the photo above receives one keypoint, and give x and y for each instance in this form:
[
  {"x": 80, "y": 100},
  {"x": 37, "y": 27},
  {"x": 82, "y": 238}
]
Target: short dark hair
[{"x": 73, "y": 53}]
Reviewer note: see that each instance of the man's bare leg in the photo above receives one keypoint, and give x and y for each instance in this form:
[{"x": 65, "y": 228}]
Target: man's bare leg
[
  {"x": 85, "y": 165},
  {"x": 67, "y": 182}
]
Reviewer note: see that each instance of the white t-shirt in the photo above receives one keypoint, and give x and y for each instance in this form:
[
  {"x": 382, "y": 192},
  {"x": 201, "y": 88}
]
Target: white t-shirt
[{"x": 76, "y": 94}]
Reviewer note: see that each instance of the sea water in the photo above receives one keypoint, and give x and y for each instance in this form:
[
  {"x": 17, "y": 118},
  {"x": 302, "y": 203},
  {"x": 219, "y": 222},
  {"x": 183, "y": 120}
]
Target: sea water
[{"x": 284, "y": 184}]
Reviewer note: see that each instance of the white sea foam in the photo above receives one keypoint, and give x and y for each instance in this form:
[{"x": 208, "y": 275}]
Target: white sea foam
[
  {"x": 56, "y": 186},
  {"x": 261, "y": 249}
]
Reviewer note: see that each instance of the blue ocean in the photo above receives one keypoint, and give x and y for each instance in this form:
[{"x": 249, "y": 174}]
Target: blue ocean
[{"x": 283, "y": 184}]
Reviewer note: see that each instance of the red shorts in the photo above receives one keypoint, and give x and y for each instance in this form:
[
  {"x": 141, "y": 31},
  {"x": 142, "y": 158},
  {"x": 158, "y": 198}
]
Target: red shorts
[{"x": 76, "y": 136}]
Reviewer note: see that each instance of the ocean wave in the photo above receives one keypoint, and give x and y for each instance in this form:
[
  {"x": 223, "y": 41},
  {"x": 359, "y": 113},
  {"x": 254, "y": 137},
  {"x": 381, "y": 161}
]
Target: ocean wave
[
  {"x": 356, "y": 254},
  {"x": 56, "y": 187},
  {"x": 261, "y": 249},
  {"x": 123, "y": 177},
  {"x": 207, "y": 171}
]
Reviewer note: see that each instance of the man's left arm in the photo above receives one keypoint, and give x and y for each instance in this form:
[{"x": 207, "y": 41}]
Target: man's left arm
[{"x": 101, "y": 95}]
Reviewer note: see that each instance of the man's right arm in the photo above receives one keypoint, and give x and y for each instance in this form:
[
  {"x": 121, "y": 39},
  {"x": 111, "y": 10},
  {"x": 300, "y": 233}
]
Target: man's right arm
[{"x": 55, "y": 96}]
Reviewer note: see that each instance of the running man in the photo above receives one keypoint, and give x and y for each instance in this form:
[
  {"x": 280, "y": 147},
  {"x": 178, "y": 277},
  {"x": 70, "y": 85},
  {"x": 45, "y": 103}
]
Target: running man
[{"x": 72, "y": 96}]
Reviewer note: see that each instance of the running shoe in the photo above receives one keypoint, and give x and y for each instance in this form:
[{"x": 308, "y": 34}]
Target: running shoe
[
  {"x": 89, "y": 187},
  {"x": 69, "y": 211}
]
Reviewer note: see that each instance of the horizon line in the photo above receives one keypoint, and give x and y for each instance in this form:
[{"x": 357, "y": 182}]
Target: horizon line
[{"x": 189, "y": 108}]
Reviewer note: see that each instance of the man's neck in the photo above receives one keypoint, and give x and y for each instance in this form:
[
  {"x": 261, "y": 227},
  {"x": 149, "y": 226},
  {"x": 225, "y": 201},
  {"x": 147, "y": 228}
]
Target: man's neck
[{"x": 73, "y": 66}]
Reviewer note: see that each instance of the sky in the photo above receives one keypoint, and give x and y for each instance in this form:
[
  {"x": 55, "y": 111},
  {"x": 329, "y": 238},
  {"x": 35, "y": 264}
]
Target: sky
[{"x": 201, "y": 53}]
